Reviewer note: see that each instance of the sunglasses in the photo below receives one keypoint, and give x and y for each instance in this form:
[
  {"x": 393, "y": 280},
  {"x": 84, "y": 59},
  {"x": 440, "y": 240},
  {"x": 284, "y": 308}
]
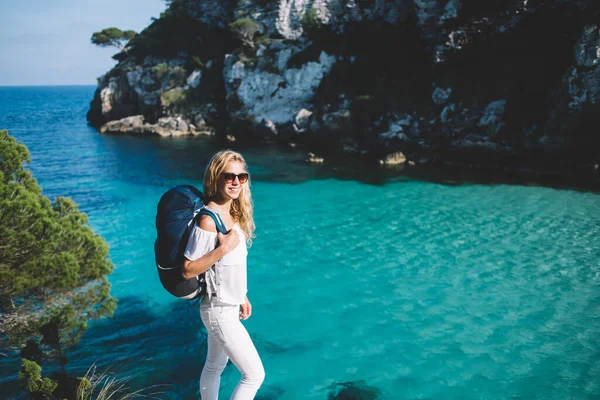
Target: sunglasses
[{"x": 229, "y": 177}]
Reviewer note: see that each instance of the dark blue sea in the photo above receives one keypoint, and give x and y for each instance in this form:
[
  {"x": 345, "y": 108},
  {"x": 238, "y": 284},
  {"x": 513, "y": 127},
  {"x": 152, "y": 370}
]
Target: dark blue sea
[{"x": 359, "y": 279}]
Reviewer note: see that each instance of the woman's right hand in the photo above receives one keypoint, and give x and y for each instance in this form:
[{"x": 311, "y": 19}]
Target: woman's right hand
[{"x": 229, "y": 241}]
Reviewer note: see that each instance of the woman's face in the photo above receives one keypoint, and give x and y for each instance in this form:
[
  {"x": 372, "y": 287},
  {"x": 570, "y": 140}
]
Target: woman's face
[{"x": 231, "y": 190}]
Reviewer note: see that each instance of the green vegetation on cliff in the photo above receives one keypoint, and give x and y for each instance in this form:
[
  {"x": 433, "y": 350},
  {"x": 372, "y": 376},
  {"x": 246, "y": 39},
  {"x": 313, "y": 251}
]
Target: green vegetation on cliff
[
  {"x": 245, "y": 29},
  {"x": 310, "y": 20},
  {"x": 112, "y": 37},
  {"x": 172, "y": 97}
]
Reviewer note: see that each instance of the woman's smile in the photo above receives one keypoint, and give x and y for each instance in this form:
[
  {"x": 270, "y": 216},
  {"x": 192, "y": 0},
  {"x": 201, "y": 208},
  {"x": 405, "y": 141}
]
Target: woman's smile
[{"x": 234, "y": 190}]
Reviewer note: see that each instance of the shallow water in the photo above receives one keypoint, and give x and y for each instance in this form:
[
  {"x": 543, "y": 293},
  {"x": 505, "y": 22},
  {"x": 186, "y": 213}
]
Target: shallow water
[{"x": 414, "y": 289}]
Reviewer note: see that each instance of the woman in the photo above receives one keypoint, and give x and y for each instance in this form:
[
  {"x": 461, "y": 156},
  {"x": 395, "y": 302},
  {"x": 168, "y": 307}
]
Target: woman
[{"x": 227, "y": 191}]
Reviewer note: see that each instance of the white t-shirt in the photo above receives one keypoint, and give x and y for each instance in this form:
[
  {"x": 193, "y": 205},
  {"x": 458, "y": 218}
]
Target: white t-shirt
[{"x": 227, "y": 278}]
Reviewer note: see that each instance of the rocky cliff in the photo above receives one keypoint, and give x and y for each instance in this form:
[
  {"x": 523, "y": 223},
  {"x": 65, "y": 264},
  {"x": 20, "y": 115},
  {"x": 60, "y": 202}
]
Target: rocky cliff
[{"x": 460, "y": 81}]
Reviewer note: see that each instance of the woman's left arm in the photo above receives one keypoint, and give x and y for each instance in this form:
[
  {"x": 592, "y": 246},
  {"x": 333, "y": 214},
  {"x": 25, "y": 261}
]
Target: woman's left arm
[{"x": 245, "y": 309}]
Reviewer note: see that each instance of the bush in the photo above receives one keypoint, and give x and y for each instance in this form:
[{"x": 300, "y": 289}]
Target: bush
[
  {"x": 92, "y": 386},
  {"x": 263, "y": 39},
  {"x": 160, "y": 70},
  {"x": 177, "y": 77},
  {"x": 245, "y": 29},
  {"x": 310, "y": 22},
  {"x": 195, "y": 62},
  {"x": 172, "y": 97},
  {"x": 31, "y": 380}
]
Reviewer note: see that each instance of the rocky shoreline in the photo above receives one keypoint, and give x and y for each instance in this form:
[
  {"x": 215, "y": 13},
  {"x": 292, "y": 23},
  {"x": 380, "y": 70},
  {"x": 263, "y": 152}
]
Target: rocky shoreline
[{"x": 505, "y": 85}]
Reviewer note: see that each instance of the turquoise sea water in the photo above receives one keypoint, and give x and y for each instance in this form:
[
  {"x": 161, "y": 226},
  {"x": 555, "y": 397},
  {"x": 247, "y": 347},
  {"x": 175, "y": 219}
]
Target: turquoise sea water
[{"x": 413, "y": 289}]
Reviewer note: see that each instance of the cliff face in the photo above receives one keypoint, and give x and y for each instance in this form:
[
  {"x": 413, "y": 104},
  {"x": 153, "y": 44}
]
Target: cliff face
[{"x": 453, "y": 80}]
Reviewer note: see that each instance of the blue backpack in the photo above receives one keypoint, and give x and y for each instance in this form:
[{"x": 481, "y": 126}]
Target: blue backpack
[{"x": 178, "y": 211}]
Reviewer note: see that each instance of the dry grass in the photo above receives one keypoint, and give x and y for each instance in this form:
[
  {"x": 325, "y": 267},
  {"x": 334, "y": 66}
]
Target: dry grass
[{"x": 106, "y": 386}]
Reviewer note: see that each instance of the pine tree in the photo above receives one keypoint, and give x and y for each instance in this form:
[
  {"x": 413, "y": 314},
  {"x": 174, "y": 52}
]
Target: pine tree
[
  {"x": 53, "y": 267},
  {"x": 112, "y": 37}
]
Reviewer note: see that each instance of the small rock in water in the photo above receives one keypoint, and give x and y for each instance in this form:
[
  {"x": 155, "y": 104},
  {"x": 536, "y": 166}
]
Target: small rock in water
[
  {"x": 312, "y": 158},
  {"x": 394, "y": 159}
]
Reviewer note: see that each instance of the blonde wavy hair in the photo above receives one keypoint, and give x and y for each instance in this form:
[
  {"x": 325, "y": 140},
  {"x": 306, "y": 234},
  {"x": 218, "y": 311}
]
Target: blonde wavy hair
[{"x": 242, "y": 208}]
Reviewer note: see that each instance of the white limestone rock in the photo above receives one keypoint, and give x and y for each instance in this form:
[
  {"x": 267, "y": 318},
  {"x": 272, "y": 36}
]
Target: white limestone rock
[
  {"x": 134, "y": 77},
  {"x": 133, "y": 124},
  {"x": 267, "y": 95},
  {"x": 193, "y": 79},
  {"x": 302, "y": 120},
  {"x": 337, "y": 14},
  {"x": 289, "y": 20},
  {"x": 140, "y": 80},
  {"x": 107, "y": 95},
  {"x": 167, "y": 126}
]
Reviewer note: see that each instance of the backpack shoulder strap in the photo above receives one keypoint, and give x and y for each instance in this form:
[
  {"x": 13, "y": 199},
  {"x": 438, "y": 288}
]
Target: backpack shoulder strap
[{"x": 215, "y": 216}]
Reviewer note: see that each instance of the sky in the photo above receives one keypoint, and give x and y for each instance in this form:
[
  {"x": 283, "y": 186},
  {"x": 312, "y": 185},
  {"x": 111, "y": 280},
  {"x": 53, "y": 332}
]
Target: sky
[{"x": 47, "y": 42}]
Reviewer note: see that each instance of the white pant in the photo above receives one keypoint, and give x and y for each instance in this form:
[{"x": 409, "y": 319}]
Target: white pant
[{"x": 228, "y": 339}]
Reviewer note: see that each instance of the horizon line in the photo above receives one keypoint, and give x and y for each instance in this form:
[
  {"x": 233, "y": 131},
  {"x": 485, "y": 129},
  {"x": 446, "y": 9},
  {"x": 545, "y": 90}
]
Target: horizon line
[{"x": 49, "y": 85}]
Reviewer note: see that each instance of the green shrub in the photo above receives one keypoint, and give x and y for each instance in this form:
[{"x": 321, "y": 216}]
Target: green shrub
[
  {"x": 160, "y": 70},
  {"x": 31, "y": 380},
  {"x": 244, "y": 24},
  {"x": 177, "y": 76},
  {"x": 172, "y": 97},
  {"x": 262, "y": 39},
  {"x": 92, "y": 386},
  {"x": 245, "y": 29},
  {"x": 196, "y": 63},
  {"x": 310, "y": 20}
]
